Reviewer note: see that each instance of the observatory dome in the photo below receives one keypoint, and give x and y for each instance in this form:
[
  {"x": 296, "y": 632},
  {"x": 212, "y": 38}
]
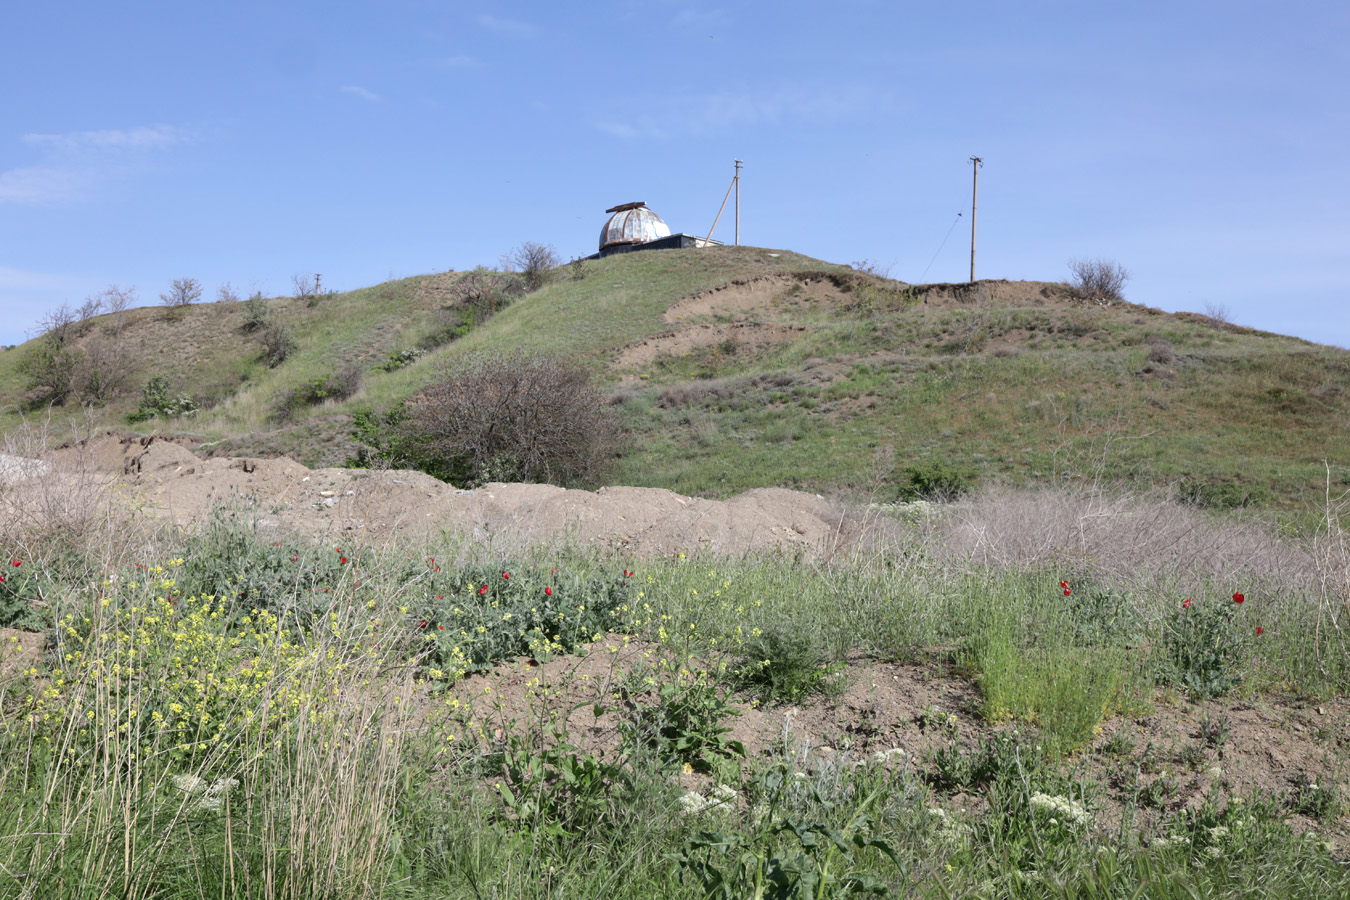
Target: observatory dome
[{"x": 632, "y": 223}]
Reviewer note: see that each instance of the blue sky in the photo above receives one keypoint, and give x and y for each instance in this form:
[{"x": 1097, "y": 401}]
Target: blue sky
[{"x": 1200, "y": 145}]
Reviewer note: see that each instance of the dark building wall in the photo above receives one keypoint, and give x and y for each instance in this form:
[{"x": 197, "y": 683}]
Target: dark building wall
[{"x": 673, "y": 242}]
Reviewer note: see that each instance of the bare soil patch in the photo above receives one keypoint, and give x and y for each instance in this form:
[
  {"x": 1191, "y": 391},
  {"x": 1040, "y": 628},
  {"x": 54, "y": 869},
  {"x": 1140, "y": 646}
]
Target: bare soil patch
[{"x": 1152, "y": 765}]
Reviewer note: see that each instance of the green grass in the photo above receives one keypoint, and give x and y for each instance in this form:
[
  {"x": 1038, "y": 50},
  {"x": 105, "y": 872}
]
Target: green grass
[
  {"x": 309, "y": 704},
  {"x": 1020, "y": 390}
]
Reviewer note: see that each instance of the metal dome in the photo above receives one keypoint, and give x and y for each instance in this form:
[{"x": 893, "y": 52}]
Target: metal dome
[{"x": 632, "y": 223}]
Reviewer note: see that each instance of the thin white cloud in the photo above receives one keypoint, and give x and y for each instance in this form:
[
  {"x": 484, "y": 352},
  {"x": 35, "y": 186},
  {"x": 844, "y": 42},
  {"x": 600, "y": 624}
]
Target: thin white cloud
[
  {"x": 356, "y": 91},
  {"x": 505, "y": 26},
  {"x": 459, "y": 61},
  {"x": 694, "y": 18},
  {"x": 39, "y": 185},
  {"x": 144, "y": 138},
  {"x": 73, "y": 164}
]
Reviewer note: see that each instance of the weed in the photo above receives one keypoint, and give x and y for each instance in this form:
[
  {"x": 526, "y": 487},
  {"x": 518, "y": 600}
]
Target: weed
[
  {"x": 1202, "y": 647},
  {"x": 818, "y": 862},
  {"x": 935, "y": 481},
  {"x": 559, "y": 790},
  {"x": 1214, "y": 731},
  {"x": 683, "y": 724},
  {"x": 783, "y": 665}
]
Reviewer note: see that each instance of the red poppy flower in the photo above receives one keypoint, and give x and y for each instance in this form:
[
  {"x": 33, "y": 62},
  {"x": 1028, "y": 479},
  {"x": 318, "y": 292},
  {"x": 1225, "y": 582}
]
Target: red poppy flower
[
  {"x": 483, "y": 589},
  {"x": 344, "y": 560},
  {"x": 441, "y": 627},
  {"x": 627, "y": 574},
  {"x": 1066, "y": 592},
  {"x": 1258, "y": 630},
  {"x": 1063, "y": 584},
  {"x": 424, "y": 624},
  {"x": 339, "y": 550},
  {"x": 2, "y": 579},
  {"x": 1238, "y": 598},
  {"x": 438, "y": 568},
  {"x": 1186, "y": 604},
  {"x": 16, "y": 563},
  {"x": 506, "y": 576},
  {"x": 548, "y": 592},
  {"x": 295, "y": 559}
]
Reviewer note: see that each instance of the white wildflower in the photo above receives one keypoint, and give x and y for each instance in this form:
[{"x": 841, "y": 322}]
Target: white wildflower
[
  {"x": 881, "y": 757},
  {"x": 189, "y": 784},
  {"x": 1057, "y": 808}
]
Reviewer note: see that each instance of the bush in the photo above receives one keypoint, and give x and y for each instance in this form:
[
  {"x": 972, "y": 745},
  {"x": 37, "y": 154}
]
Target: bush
[
  {"x": 1216, "y": 494},
  {"x": 783, "y": 666},
  {"x": 522, "y": 417},
  {"x": 50, "y": 372},
  {"x": 534, "y": 262},
  {"x": 278, "y": 344},
  {"x": 257, "y": 313},
  {"x": 935, "y": 481},
  {"x": 157, "y": 400},
  {"x": 1098, "y": 280},
  {"x": 338, "y": 386}
]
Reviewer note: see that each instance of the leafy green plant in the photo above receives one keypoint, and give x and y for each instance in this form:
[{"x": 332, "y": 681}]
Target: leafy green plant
[
  {"x": 935, "y": 480},
  {"x": 337, "y": 385},
  {"x": 1202, "y": 648},
  {"x": 476, "y": 616},
  {"x": 683, "y": 724},
  {"x": 158, "y": 400},
  {"x": 1097, "y": 617},
  {"x": 937, "y": 719},
  {"x": 558, "y": 790},
  {"x": 257, "y": 314},
  {"x": 1317, "y": 801},
  {"x": 401, "y": 358},
  {"x": 782, "y": 665},
  {"x": 817, "y": 862},
  {"x": 19, "y": 597},
  {"x": 1222, "y": 493},
  {"x": 278, "y": 344}
]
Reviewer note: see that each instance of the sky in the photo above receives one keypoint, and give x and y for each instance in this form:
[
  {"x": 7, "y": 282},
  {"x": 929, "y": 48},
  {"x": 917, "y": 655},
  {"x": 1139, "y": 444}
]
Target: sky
[{"x": 1202, "y": 146}]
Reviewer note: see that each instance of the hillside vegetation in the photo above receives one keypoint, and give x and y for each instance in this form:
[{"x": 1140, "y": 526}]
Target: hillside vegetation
[{"x": 743, "y": 367}]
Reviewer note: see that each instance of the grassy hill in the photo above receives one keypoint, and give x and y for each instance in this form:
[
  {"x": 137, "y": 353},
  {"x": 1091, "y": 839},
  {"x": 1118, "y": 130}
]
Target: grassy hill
[{"x": 742, "y": 367}]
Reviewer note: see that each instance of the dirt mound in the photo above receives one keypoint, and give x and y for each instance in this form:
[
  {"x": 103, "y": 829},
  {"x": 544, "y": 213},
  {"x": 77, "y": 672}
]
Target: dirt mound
[
  {"x": 764, "y": 295},
  {"x": 747, "y": 337},
  {"x": 168, "y": 480}
]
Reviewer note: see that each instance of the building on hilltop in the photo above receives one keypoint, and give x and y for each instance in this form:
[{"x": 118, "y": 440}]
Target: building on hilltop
[{"x": 632, "y": 226}]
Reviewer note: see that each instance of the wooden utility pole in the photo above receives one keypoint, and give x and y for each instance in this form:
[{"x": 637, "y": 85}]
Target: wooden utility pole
[
  {"x": 737, "y": 181},
  {"x": 974, "y": 197}
]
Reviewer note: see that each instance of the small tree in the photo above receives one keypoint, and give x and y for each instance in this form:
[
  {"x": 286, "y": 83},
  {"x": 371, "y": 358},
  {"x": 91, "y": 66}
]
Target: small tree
[
  {"x": 116, "y": 300},
  {"x": 1100, "y": 281},
  {"x": 534, "y": 262},
  {"x": 304, "y": 289},
  {"x": 524, "y": 417},
  {"x": 183, "y": 293}
]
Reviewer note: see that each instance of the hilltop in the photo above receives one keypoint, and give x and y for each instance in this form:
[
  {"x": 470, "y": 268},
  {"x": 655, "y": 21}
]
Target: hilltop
[{"x": 737, "y": 368}]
